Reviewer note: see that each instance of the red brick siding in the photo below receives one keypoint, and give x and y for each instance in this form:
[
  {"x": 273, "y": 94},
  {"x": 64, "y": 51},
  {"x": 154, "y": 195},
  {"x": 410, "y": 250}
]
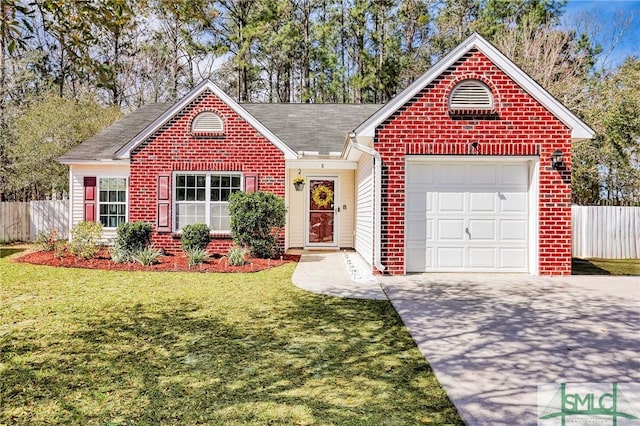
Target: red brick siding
[
  {"x": 520, "y": 126},
  {"x": 173, "y": 148}
]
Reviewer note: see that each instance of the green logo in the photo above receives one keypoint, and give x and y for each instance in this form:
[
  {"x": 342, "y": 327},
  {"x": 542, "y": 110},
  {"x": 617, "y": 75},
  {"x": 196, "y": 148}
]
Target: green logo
[{"x": 588, "y": 403}]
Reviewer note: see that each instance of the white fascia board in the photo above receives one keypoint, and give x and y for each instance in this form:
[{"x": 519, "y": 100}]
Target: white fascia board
[
  {"x": 580, "y": 130},
  {"x": 319, "y": 163},
  {"x": 350, "y": 154},
  {"x": 125, "y": 151}
]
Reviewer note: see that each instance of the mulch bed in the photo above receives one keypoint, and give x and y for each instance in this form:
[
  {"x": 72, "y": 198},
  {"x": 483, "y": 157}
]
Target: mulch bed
[{"x": 167, "y": 263}]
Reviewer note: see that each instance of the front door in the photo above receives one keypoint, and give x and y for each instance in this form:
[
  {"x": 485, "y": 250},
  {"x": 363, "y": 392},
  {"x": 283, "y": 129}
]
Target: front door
[{"x": 321, "y": 224}]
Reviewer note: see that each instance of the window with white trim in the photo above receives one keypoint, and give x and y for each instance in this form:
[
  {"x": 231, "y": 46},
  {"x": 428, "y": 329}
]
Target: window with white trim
[
  {"x": 204, "y": 198},
  {"x": 112, "y": 201},
  {"x": 207, "y": 122},
  {"x": 471, "y": 95}
]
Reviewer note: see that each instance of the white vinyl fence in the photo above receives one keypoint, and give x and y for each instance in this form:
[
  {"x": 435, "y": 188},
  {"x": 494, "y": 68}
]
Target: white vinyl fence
[
  {"x": 23, "y": 221},
  {"x": 606, "y": 232},
  {"x": 49, "y": 215}
]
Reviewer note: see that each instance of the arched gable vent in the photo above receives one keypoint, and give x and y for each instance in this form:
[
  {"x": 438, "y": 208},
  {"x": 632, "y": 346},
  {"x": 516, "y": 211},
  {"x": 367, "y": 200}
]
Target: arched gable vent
[
  {"x": 471, "y": 95},
  {"x": 207, "y": 122}
]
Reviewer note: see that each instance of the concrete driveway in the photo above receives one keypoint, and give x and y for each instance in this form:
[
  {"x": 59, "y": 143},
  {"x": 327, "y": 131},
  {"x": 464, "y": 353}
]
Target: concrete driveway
[{"x": 491, "y": 339}]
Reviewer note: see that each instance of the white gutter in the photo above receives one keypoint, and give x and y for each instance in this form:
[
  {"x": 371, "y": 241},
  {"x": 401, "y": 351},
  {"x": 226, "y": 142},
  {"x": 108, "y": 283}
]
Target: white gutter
[{"x": 377, "y": 199}]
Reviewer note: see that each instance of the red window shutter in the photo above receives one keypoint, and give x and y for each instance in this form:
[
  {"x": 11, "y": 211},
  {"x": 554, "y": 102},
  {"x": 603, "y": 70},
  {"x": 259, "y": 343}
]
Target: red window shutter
[
  {"x": 164, "y": 203},
  {"x": 90, "y": 198},
  {"x": 250, "y": 182}
]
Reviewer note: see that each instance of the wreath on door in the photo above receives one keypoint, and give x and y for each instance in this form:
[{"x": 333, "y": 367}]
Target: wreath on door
[{"x": 322, "y": 196}]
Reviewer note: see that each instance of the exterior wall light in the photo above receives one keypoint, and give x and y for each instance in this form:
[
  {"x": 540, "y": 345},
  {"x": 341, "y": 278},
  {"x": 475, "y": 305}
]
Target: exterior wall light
[{"x": 556, "y": 159}]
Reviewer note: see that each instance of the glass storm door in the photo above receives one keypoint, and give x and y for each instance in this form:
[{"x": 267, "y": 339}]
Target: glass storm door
[{"x": 321, "y": 226}]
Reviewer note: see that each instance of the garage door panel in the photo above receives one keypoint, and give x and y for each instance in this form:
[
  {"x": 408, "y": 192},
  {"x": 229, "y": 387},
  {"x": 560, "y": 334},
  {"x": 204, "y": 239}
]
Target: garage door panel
[
  {"x": 469, "y": 217},
  {"x": 450, "y": 229},
  {"x": 430, "y": 202},
  {"x": 450, "y": 257},
  {"x": 416, "y": 256},
  {"x": 513, "y": 230},
  {"x": 453, "y": 174},
  {"x": 481, "y": 257},
  {"x": 482, "y": 229},
  {"x": 482, "y": 202},
  {"x": 418, "y": 228},
  {"x": 421, "y": 173},
  {"x": 513, "y": 258},
  {"x": 513, "y": 174},
  {"x": 417, "y": 203},
  {"x": 430, "y": 233},
  {"x": 483, "y": 175},
  {"x": 450, "y": 202},
  {"x": 513, "y": 202}
]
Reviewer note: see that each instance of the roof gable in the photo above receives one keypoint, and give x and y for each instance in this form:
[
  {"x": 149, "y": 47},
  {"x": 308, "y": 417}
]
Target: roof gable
[
  {"x": 579, "y": 129},
  {"x": 125, "y": 151}
]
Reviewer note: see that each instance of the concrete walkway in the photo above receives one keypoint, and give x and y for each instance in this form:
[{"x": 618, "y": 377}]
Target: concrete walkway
[
  {"x": 492, "y": 339},
  {"x": 327, "y": 273}
]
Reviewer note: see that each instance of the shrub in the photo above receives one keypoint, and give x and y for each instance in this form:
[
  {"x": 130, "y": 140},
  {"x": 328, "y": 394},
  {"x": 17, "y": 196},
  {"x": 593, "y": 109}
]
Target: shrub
[
  {"x": 195, "y": 236},
  {"x": 196, "y": 256},
  {"x": 236, "y": 256},
  {"x": 59, "y": 248},
  {"x": 119, "y": 254},
  {"x": 146, "y": 256},
  {"x": 256, "y": 221},
  {"x": 46, "y": 240},
  {"x": 133, "y": 236},
  {"x": 85, "y": 239}
]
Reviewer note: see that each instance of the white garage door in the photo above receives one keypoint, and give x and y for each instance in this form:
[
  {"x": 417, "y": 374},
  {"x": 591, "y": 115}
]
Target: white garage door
[{"x": 467, "y": 217}]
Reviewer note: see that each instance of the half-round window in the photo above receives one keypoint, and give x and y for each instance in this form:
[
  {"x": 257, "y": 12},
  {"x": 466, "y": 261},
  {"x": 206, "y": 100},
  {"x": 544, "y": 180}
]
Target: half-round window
[
  {"x": 471, "y": 95},
  {"x": 207, "y": 122}
]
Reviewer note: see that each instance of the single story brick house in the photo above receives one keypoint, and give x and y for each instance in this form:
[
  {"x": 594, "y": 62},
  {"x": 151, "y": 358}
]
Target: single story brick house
[{"x": 466, "y": 170}]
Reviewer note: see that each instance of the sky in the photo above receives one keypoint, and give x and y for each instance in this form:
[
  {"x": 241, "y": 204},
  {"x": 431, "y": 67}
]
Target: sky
[{"x": 604, "y": 13}]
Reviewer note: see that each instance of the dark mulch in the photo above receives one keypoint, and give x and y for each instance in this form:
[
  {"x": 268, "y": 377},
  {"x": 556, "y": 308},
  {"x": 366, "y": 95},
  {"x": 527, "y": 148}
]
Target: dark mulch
[{"x": 167, "y": 263}]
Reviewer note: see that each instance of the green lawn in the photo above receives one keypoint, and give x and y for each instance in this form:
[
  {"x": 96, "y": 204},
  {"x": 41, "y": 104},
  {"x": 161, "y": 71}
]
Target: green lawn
[
  {"x": 606, "y": 266},
  {"x": 114, "y": 348}
]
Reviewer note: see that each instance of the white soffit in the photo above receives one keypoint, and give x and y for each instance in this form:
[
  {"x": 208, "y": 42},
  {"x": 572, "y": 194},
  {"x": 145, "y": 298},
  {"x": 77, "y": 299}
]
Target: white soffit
[{"x": 580, "y": 130}]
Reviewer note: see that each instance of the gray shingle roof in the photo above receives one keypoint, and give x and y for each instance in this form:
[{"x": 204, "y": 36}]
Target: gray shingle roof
[
  {"x": 312, "y": 127},
  {"x": 105, "y": 144},
  {"x": 303, "y": 127}
]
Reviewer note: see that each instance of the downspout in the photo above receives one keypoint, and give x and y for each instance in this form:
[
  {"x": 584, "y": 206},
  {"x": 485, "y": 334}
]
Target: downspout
[{"x": 377, "y": 199}]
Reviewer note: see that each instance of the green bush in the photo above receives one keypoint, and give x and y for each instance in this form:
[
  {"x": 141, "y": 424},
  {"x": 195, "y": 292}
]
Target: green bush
[
  {"x": 236, "y": 256},
  {"x": 196, "y": 256},
  {"x": 119, "y": 254},
  {"x": 146, "y": 256},
  {"x": 85, "y": 239},
  {"x": 133, "y": 236},
  {"x": 195, "y": 236},
  {"x": 59, "y": 249},
  {"x": 46, "y": 240},
  {"x": 256, "y": 221}
]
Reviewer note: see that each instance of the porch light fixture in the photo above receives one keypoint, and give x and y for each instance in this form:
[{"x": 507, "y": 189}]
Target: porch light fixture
[{"x": 556, "y": 159}]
